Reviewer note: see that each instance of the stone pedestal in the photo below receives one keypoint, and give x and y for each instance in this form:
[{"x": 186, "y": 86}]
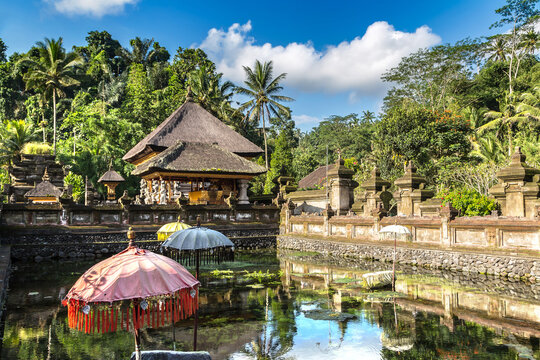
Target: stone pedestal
[
  {"x": 518, "y": 189},
  {"x": 411, "y": 192},
  {"x": 243, "y": 198},
  {"x": 374, "y": 196},
  {"x": 341, "y": 187}
]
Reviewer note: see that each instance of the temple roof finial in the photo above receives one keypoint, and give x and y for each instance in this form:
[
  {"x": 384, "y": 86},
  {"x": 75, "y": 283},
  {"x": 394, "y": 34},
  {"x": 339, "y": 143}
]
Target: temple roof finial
[
  {"x": 189, "y": 97},
  {"x": 46, "y": 176}
]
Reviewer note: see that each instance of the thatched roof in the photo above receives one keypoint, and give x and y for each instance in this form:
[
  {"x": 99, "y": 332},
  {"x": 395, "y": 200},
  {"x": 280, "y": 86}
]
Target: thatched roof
[
  {"x": 44, "y": 189},
  {"x": 315, "y": 178},
  {"x": 191, "y": 157},
  {"x": 191, "y": 123},
  {"x": 111, "y": 176}
]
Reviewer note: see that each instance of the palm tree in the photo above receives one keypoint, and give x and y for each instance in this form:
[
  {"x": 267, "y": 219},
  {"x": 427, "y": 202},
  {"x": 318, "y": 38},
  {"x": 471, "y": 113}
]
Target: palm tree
[
  {"x": 207, "y": 90},
  {"x": 14, "y": 134},
  {"x": 489, "y": 149},
  {"x": 529, "y": 105},
  {"x": 506, "y": 118},
  {"x": 476, "y": 118},
  {"x": 52, "y": 72},
  {"x": 497, "y": 48},
  {"x": 144, "y": 51},
  {"x": 262, "y": 88},
  {"x": 530, "y": 42}
]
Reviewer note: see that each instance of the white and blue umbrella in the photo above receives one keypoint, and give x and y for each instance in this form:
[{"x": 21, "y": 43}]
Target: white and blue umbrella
[
  {"x": 396, "y": 230},
  {"x": 196, "y": 238},
  {"x": 199, "y": 244}
]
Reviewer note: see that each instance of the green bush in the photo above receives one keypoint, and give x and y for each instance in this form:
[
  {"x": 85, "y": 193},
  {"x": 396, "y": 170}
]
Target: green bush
[
  {"x": 77, "y": 182},
  {"x": 468, "y": 202},
  {"x": 35, "y": 148}
]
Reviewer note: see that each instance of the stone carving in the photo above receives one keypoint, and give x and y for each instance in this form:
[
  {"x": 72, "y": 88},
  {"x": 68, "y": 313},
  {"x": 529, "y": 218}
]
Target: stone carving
[
  {"x": 125, "y": 199},
  {"x": 155, "y": 192},
  {"x": 162, "y": 192},
  {"x": 177, "y": 191}
]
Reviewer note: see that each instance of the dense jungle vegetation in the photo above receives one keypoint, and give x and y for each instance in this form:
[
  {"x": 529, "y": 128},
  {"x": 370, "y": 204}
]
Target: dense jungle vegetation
[{"x": 456, "y": 110}]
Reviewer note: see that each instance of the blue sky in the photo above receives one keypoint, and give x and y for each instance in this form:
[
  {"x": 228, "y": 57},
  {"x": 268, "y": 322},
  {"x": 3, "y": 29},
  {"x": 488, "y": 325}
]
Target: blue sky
[{"x": 333, "y": 51}]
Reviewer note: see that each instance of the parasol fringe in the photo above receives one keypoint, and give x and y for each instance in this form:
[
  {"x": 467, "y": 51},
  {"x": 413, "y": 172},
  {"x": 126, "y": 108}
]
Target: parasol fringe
[
  {"x": 110, "y": 318},
  {"x": 163, "y": 314}
]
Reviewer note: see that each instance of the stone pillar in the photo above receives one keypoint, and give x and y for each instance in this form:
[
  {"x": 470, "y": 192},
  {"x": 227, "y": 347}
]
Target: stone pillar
[
  {"x": 286, "y": 212},
  {"x": 374, "y": 195},
  {"x": 518, "y": 189},
  {"x": 341, "y": 187},
  {"x": 411, "y": 192},
  {"x": 327, "y": 214},
  {"x": 447, "y": 214},
  {"x": 243, "y": 198}
]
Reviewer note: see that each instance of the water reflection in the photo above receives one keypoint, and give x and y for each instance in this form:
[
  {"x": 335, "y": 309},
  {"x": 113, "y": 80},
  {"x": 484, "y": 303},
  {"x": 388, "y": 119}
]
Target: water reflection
[{"x": 316, "y": 309}]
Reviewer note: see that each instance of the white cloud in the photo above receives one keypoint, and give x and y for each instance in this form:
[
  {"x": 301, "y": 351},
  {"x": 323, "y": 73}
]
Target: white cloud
[
  {"x": 352, "y": 66},
  {"x": 96, "y": 8},
  {"x": 305, "y": 119}
]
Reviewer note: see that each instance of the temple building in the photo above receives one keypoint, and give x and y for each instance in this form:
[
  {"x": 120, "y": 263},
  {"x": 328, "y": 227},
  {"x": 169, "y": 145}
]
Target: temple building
[
  {"x": 45, "y": 191},
  {"x": 195, "y": 155}
]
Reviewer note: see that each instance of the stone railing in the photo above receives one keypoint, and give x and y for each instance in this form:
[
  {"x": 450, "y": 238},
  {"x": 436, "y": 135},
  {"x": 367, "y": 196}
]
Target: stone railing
[
  {"x": 483, "y": 233},
  {"x": 70, "y": 214}
]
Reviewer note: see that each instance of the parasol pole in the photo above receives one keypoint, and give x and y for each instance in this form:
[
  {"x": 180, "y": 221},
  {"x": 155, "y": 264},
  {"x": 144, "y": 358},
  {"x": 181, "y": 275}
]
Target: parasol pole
[
  {"x": 394, "y": 262},
  {"x": 196, "y": 320},
  {"x": 196, "y": 311},
  {"x": 137, "y": 343},
  {"x": 131, "y": 235},
  {"x": 173, "y": 336}
]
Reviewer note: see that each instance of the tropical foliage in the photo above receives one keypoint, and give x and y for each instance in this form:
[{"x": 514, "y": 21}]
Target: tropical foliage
[{"x": 456, "y": 110}]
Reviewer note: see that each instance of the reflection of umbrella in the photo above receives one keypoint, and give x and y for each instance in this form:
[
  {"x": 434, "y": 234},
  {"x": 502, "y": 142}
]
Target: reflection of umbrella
[
  {"x": 396, "y": 230},
  {"x": 397, "y": 344},
  {"x": 189, "y": 245},
  {"x": 130, "y": 289},
  {"x": 168, "y": 229}
]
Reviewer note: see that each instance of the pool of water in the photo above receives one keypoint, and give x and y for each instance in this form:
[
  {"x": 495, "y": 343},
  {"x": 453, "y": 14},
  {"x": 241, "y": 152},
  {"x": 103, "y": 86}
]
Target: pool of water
[{"x": 294, "y": 306}]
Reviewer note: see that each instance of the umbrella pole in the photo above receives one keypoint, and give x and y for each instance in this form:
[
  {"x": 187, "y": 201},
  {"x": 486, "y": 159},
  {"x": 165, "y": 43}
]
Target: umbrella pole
[
  {"x": 137, "y": 344},
  {"x": 394, "y": 265},
  {"x": 173, "y": 336},
  {"x": 195, "y": 322}
]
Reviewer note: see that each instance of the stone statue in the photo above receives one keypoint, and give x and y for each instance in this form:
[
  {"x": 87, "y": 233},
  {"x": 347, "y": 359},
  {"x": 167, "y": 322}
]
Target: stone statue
[
  {"x": 137, "y": 200},
  {"x": 163, "y": 192},
  {"x": 143, "y": 190},
  {"x": 155, "y": 191},
  {"x": 177, "y": 191}
]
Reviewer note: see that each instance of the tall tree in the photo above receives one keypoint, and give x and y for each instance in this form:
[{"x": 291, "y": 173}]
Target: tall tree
[
  {"x": 263, "y": 90},
  {"x": 521, "y": 15},
  {"x": 3, "y": 49},
  {"x": 52, "y": 72},
  {"x": 431, "y": 77}
]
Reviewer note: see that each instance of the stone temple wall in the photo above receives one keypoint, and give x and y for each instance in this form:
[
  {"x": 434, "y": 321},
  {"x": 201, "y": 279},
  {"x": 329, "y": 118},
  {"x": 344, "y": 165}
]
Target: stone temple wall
[{"x": 69, "y": 245}]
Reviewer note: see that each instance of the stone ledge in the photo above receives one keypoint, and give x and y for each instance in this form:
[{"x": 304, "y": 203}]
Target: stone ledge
[{"x": 504, "y": 266}]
